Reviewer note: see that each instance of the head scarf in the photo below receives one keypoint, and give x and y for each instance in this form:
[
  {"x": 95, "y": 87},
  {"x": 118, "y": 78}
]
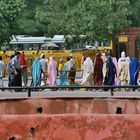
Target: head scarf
[
  {"x": 111, "y": 66},
  {"x": 89, "y": 62},
  {"x": 98, "y": 64},
  {"x": 42, "y": 55},
  {"x": 110, "y": 61},
  {"x": 83, "y": 59},
  {"x": 72, "y": 63},
  {"x": 22, "y": 59},
  {"x": 61, "y": 60},
  {"x": 123, "y": 56},
  {"x": 128, "y": 59},
  {"x": 52, "y": 62}
]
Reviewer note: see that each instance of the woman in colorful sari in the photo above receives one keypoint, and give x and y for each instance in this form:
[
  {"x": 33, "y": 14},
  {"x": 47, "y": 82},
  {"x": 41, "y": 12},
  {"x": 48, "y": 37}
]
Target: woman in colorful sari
[
  {"x": 87, "y": 78},
  {"x": 110, "y": 72},
  {"x": 134, "y": 70},
  {"x": 98, "y": 66},
  {"x": 124, "y": 75},
  {"x": 52, "y": 72},
  {"x": 65, "y": 71},
  {"x": 121, "y": 59},
  {"x": 36, "y": 73}
]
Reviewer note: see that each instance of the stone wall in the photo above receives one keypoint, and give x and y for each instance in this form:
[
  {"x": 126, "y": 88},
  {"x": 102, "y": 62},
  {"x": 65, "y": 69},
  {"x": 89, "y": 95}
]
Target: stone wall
[
  {"x": 70, "y": 127},
  {"x": 90, "y": 105}
]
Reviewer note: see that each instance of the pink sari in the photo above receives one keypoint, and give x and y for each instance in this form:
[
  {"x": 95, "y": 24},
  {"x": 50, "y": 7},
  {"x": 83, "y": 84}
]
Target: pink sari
[{"x": 52, "y": 72}]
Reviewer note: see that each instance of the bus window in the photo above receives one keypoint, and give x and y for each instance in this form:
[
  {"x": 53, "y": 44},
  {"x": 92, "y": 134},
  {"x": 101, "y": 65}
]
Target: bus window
[
  {"x": 34, "y": 43},
  {"x": 97, "y": 44},
  {"x": 106, "y": 44}
]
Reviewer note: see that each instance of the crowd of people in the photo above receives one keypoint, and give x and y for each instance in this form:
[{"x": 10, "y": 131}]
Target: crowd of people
[
  {"x": 104, "y": 70},
  {"x": 43, "y": 71}
]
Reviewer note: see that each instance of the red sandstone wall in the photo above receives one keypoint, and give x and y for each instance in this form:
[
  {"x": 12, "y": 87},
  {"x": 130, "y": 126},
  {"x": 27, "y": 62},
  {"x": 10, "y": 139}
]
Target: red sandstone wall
[
  {"x": 70, "y": 127},
  {"x": 80, "y": 119},
  {"x": 66, "y": 106}
]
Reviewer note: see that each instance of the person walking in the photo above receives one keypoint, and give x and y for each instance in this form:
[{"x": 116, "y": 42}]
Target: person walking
[
  {"x": 11, "y": 73},
  {"x": 36, "y": 73},
  {"x": 61, "y": 73},
  {"x": 122, "y": 58},
  {"x": 52, "y": 72},
  {"x": 124, "y": 72},
  {"x": 44, "y": 63},
  {"x": 134, "y": 71},
  {"x": 87, "y": 78},
  {"x": 24, "y": 69},
  {"x": 72, "y": 72},
  {"x": 98, "y": 74},
  {"x": 2, "y": 72},
  {"x": 66, "y": 70},
  {"x": 110, "y": 72},
  {"x": 17, "y": 71}
]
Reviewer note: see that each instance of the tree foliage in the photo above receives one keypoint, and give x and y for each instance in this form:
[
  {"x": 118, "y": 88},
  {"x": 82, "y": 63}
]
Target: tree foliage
[
  {"x": 135, "y": 16},
  {"x": 96, "y": 20},
  {"x": 27, "y": 22},
  {"x": 9, "y": 13}
]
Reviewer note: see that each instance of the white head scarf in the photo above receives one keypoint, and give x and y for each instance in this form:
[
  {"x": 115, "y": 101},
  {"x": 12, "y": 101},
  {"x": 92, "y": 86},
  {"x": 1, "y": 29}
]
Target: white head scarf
[
  {"x": 89, "y": 62},
  {"x": 72, "y": 62},
  {"x": 123, "y": 56},
  {"x": 41, "y": 56},
  {"x": 61, "y": 60},
  {"x": 128, "y": 59}
]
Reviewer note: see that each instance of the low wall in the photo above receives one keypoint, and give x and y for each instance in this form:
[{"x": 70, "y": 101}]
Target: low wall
[
  {"x": 70, "y": 118},
  {"x": 70, "y": 106},
  {"x": 70, "y": 127}
]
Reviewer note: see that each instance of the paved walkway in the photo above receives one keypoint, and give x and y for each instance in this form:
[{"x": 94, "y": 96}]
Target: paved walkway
[{"x": 68, "y": 94}]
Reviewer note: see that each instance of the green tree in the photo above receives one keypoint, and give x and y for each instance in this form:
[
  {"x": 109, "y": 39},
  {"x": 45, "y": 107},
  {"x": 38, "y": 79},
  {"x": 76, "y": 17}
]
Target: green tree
[
  {"x": 27, "y": 22},
  {"x": 95, "y": 19},
  {"x": 9, "y": 13},
  {"x": 135, "y": 16}
]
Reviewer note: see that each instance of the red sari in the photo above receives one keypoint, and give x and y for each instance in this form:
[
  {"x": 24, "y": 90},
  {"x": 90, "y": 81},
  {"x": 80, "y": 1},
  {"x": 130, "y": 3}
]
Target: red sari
[{"x": 98, "y": 74}]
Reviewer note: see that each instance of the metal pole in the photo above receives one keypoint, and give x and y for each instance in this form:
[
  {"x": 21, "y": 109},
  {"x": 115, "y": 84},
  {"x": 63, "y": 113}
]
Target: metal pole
[
  {"x": 112, "y": 93},
  {"x": 29, "y": 92}
]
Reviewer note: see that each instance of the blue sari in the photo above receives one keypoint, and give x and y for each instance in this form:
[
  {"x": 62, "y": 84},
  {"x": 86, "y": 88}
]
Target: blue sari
[
  {"x": 36, "y": 73},
  {"x": 62, "y": 77},
  {"x": 111, "y": 71},
  {"x": 134, "y": 69},
  {"x": 65, "y": 73}
]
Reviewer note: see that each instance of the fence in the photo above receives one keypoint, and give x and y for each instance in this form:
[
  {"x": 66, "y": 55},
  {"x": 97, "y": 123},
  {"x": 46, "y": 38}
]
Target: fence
[{"x": 110, "y": 89}]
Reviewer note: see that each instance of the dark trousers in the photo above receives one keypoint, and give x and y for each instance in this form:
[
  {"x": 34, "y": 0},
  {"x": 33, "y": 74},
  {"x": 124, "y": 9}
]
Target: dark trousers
[{"x": 18, "y": 79}]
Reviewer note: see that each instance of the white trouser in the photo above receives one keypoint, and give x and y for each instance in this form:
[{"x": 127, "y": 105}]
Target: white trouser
[{"x": 1, "y": 82}]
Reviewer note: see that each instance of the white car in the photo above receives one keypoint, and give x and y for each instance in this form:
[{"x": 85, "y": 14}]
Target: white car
[{"x": 90, "y": 47}]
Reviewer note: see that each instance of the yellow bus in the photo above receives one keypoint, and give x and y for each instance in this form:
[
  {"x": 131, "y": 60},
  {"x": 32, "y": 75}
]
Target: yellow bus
[
  {"x": 32, "y": 47},
  {"x": 106, "y": 45}
]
